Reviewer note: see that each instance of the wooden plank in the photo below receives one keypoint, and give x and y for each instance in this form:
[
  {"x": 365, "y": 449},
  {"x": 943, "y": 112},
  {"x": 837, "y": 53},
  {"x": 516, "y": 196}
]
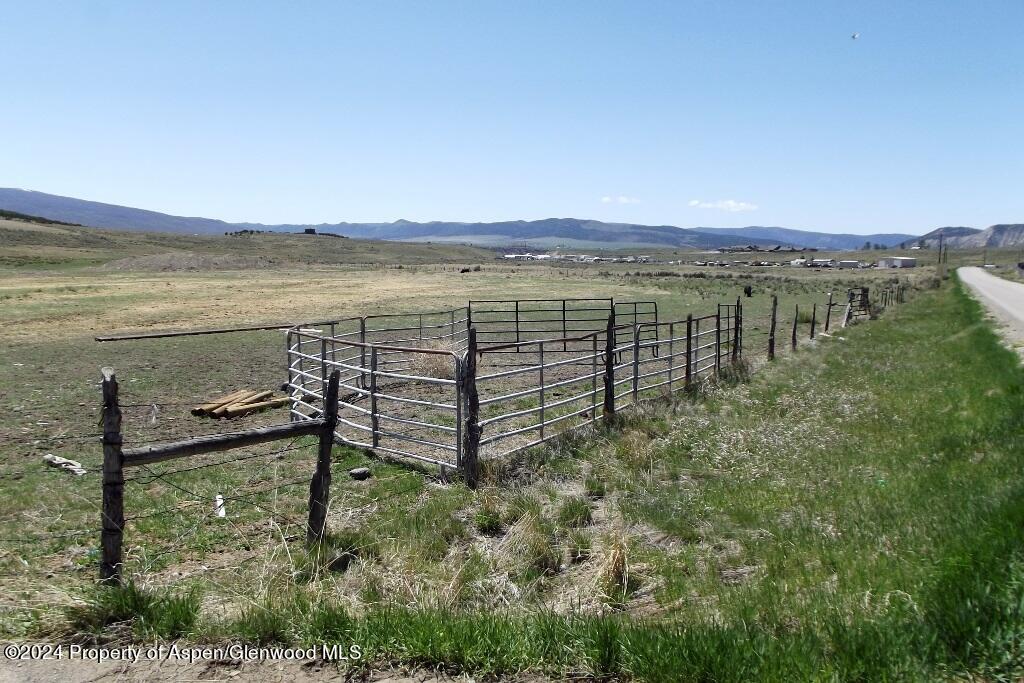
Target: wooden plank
[
  {"x": 236, "y": 410},
  {"x": 217, "y": 402},
  {"x": 145, "y": 455},
  {"x": 222, "y": 410},
  {"x": 112, "y": 516}
]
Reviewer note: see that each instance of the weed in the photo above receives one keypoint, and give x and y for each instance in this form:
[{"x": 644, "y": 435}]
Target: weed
[
  {"x": 574, "y": 511},
  {"x": 579, "y": 544},
  {"x": 488, "y": 516},
  {"x": 151, "y": 613},
  {"x": 595, "y": 486}
]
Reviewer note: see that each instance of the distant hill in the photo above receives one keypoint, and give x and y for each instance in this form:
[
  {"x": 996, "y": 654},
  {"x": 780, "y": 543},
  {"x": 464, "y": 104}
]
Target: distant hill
[
  {"x": 992, "y": 237},
  {"x": 15, "y": 216},
  {"x": 818, "y": 240},
  {"x": 568, "y": 233}
]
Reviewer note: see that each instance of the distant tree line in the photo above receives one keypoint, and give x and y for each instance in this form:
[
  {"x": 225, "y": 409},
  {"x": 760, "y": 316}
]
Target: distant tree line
[{"x": 14, "y": 215}]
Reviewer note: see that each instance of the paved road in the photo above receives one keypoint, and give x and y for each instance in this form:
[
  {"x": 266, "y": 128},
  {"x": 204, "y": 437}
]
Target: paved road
[{"x": 1003, "y": 298}]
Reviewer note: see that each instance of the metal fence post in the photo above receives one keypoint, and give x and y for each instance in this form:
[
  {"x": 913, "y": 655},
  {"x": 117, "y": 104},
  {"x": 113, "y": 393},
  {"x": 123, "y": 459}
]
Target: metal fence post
[
  {"x": 828, "y": 312},
  {"x": 291, "y": 376},
  {"x": 771, "y": 327},
  {"x": 736, "y": 332},
  {"x": 565, "y": 333},
  {"x": 540, "y": 371},
  {"x": 323, "y": 369},
  {"x": 593, "y": 378},
  {"x": 671, "y": 338},
  {"x": 460, "y": 390},
  {"x": 718, "y": 341},
  {"x": 814, "y": 318},
  {"x": 517, "y": 325},
  {"x": 688, "y": 377},
  {"x": 471, "y": 432},
  {"x": 609, "y": 370},
  {"x": 362, "y": 353},
  {"x": 334, "y": 346},
  {"x": 636, "y": 364},
  {"x": 112, "y": 517},
  {"x": 374, "y": 420},
  {"x": 320, "y": 485}
]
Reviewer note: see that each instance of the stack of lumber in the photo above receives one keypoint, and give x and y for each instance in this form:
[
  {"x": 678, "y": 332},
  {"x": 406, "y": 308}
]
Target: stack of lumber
[{"x": 241, "y": 402}]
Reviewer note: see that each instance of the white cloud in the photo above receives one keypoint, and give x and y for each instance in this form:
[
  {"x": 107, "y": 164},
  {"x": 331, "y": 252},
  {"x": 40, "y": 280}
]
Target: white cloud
[
  {"x": 730, "y": 205},
  {"x": 621, "y": 199}
]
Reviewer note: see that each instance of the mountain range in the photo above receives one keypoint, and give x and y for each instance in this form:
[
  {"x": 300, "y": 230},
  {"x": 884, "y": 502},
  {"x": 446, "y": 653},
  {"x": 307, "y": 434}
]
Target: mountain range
[
  {"x": 546, "y": 233},
  {"x": 992, "y": 237}
]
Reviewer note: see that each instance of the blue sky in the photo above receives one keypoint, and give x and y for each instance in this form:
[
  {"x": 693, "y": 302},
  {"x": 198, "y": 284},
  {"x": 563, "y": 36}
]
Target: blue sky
[{"x": 683, "y": 113}]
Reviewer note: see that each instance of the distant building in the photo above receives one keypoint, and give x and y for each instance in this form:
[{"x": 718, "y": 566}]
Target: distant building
[
  {"x": 798, "y": 262},
  {"x": 849, "y": 264},
  {"x": 823, "y": 263},
  {"x": 310, "y": 231},
  {"x": 897, "y": 262}
]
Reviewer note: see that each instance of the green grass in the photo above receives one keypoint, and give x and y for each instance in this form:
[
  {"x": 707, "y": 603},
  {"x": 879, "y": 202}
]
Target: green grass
[
  {"x": 574, "y": 511},
  {"x": 825, "y": 524},
  {"x": 848, "y": 512}
]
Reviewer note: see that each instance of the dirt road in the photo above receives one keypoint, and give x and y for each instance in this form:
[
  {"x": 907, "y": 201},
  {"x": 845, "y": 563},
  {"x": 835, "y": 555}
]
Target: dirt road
[{"x": 1004, "y": 299}]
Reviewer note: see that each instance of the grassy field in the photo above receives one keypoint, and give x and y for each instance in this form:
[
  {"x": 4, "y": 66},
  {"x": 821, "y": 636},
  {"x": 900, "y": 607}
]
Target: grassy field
[{"x": 852, "y": 511}]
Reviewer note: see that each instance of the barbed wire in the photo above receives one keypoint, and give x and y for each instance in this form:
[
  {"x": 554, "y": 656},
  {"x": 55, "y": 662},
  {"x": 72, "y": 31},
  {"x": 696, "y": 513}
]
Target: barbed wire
[
  {"x": 48, "y": 537},
  {"x": 252, "y": 456}
]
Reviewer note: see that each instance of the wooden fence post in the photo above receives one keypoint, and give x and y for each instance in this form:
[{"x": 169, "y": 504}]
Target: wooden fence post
[
  {"x": 112, "y": 516},
  {"x": 609, "y": 370},
  {"x": 828, "y": 312},
  {"x": 849, "y": 309},
  {"x": 796, "y": 320},
  {"x": 771, "y": 327},
  {"x": 320, "y": 485},
  {"x": 471, "y": 432},
  {"x": 689, "y": 351},
  {"x": 814, "y": 318},
  {"x": 736, "y": 332}
]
